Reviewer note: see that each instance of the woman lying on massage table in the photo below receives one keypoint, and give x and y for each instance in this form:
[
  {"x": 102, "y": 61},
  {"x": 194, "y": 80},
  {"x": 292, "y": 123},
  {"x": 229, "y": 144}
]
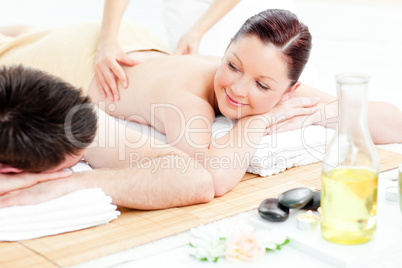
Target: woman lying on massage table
[{"x": 256, "y": 81}]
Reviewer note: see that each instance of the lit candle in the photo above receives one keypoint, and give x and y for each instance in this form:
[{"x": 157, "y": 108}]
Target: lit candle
[
  {"x": 319, "y": 210},
  {"x": 307, "y": 221}
]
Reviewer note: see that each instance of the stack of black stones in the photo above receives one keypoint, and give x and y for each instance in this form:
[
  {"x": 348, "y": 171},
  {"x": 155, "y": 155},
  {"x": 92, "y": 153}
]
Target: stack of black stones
[{"x": 277, "y": 209}]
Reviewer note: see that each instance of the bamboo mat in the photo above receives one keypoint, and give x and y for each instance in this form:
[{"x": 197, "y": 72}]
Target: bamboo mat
[{"x": 134, "y": 228}]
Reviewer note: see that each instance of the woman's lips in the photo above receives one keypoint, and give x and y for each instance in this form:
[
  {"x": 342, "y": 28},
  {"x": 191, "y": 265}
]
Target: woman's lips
[{"x": 233, "y": 102}]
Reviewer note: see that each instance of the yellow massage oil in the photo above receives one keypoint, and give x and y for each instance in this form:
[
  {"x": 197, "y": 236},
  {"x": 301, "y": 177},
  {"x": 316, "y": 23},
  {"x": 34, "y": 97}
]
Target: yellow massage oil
[{"x": 349, "y": 198}]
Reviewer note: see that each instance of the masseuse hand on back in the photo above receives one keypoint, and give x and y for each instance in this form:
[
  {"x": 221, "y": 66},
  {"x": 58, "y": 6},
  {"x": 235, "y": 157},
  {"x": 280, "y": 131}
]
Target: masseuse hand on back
[
  {"x": 110, "y": 57},
  {"x": 108, "y": 69}
]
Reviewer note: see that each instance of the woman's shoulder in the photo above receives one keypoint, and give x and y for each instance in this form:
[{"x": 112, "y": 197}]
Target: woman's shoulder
[{"x": 207, "y": 59}]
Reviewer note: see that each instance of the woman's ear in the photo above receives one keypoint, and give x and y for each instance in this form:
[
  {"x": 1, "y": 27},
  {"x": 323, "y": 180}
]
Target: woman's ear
[{"x": 290, "y": 92}]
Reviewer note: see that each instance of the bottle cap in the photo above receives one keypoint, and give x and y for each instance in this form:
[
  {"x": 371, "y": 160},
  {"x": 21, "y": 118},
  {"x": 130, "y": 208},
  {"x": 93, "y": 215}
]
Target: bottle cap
[{"x": 391, "y": 193}]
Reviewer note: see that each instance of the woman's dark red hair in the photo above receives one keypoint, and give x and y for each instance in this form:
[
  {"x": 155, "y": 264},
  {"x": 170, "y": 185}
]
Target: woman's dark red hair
[{"x": 284, "y": 30}]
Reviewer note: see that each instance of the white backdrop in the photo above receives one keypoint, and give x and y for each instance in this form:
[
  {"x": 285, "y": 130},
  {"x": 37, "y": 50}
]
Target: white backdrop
[{"x": 346, "y": 36}]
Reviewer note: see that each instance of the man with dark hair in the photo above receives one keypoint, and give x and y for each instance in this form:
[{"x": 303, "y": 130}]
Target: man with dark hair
[
  {"x": 47, "y": 125},
  {"x": 33, "y": 109}
]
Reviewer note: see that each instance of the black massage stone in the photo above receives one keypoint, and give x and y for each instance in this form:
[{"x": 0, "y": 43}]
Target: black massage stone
[
  {"x": 271, "y": 210},
  {"x": 296, "y": 198},
  {"x": 314, "y": 203}
]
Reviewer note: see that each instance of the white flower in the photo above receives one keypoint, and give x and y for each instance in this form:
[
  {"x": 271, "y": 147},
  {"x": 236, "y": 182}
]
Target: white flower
[
  {"x": 271, "y": 239},
  {"x": 208, "y": 242}
]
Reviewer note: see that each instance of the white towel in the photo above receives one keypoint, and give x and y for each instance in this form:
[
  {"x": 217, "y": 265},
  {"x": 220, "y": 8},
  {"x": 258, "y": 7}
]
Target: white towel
[
  {"x": 281, "y": 151},
  {"x": 78, "y": 210},
  {"x": 276, "y": 152}
]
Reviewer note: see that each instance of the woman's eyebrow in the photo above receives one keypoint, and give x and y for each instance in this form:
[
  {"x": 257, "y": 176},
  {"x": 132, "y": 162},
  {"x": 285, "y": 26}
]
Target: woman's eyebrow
[
  {"x": 268, "y": 77},
  {"x": 234, "y": 54},
  {"x": 262, "y": 76}
]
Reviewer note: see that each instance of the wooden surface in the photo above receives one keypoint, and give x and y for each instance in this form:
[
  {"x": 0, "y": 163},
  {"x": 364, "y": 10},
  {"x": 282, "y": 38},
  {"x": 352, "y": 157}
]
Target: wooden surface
[{"x": 135, "y": 227}]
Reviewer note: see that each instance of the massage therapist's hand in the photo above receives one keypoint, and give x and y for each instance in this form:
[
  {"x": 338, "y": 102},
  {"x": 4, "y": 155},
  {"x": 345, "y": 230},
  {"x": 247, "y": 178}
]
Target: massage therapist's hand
[
  {"x": 108, "y": 69},
  {"x": 188, "y": 43},
  {"x": 11, "y": 182}
]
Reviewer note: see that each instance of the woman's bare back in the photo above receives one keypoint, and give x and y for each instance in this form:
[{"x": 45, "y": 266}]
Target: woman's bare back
[{"x": 160, "y": 82}]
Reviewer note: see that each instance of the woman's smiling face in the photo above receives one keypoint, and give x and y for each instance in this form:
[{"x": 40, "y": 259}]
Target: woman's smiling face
[{"x": 252, "y": 78}]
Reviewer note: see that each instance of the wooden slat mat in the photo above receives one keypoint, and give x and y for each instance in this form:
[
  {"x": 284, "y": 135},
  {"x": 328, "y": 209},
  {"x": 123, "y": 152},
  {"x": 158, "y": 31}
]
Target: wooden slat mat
[{"x": 134, "y": 227}]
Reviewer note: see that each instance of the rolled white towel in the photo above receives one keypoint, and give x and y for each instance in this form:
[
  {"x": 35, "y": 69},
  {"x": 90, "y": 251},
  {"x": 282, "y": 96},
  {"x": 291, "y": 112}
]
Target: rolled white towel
[
  {"x": 78, "y": 210},
  {"x": 281, "y": 151}
]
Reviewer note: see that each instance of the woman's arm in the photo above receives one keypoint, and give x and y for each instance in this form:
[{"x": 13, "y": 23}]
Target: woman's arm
[
  {"x": 228, "y": 157},
  {"x": 188, "y": 43},
  {"x": 384, "y": 119},
  {"x": 385, "y": 122}
]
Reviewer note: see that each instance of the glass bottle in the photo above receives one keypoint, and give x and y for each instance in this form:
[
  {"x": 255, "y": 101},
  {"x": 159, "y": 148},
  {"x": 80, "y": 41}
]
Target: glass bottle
[
  {"x": 400, "y": 185},
  {"x": 350, "y": 169}
]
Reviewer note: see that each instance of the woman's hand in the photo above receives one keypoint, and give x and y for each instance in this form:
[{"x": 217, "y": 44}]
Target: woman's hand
[
  {"x": 292, "y": 114},
  {"x": 13, "y": 182},
  {"x": 296, "y": 122},
  {"x": 108, "y": 70}
]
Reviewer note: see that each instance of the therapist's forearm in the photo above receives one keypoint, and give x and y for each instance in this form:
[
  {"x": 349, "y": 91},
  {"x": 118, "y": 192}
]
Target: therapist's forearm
[
  {"x": 216, "y": 11},
  {"x": 112, "y": 15}
]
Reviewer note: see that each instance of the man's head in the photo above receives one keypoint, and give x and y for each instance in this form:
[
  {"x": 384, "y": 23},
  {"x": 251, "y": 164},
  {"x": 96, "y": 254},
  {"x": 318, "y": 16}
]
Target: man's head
[{"x": 34, "y": 133}]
